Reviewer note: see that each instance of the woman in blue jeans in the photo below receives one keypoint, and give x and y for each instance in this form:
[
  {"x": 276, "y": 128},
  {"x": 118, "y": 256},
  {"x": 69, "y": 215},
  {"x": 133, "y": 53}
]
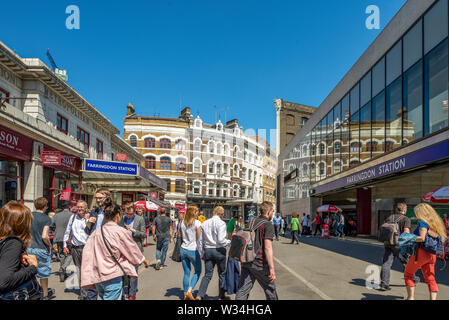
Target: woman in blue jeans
[{"x": 191, "y": 229}]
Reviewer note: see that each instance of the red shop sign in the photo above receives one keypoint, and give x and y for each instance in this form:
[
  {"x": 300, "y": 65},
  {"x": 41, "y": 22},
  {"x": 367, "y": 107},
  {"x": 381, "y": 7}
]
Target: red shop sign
[
  {"x": 15, "y": 144},
  {"x": 153, "y": 195},
  {"x": 121, "y": 157},
  {"x": 180, "y": 206},
  {"x": 51, "y": 158}
]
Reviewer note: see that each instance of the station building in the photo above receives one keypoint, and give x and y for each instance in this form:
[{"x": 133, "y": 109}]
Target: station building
[{"x": 382, "y": 135}]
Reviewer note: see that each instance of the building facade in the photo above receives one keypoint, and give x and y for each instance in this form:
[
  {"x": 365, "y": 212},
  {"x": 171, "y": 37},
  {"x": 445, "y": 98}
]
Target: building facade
[
  {"x": 206, "y": 165},
  {"x": 381, "y": 135},
  {"x": 47, "y": 131}
]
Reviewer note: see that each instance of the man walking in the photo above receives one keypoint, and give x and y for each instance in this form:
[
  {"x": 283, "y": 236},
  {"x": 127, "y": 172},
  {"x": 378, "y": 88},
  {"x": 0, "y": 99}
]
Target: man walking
[
  {"x": 75, "y": 237},
  {"x": 277, "y": 222},
  {"x": 262, "y": 268},
  {"x": 163, "y": 235},
  {"x": 212, "y": 247},
  {"x": 304, "y": 224},
  {"x": 41, "y": 245},
  {"x": 317, "y": 225},
  {"x": 392, "y": 252},
  {"x": 60, "y": 222},
  {"x": 135, "y": 224}
]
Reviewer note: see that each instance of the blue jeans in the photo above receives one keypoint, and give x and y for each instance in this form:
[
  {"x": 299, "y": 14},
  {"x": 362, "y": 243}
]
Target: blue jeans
[
  {"x": 161, "y": 249},
  {"x": 110, "y": 290},
  {"x": 190, "y": 257},
  {"x": 340, "y": 229},
  {"x": 133, "y": 285},
  {"x": 21, "y": 293},
  {"x": 214, "y": 257},
  {"x": 277, "y": 228}
]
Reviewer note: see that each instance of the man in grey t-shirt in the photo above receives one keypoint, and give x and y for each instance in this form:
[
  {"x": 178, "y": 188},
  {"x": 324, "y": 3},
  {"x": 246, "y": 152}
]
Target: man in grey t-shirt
[
  {"x": 163, "y": 235},
  {"x": 60, "y": 222}
]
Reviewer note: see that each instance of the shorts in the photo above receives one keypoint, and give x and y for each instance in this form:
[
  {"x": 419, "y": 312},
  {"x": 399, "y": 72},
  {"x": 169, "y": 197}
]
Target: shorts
[{"x": 43, "y": 262}]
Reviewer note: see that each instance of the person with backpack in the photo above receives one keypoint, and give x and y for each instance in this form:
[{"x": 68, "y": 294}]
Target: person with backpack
[
  {"x": 295, "y": 228},
  {"x": 401, "y": 223},
  {"x": 17, "y": 269},
  {"x": 262, "y": 267},
  {"x": 431, "y": 236},
  {"x": 109, "y": 255}
]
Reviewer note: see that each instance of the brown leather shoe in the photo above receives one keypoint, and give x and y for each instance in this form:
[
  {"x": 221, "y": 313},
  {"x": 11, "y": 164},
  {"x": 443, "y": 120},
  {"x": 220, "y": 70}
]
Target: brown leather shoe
[{"x": 224, "y": 298}]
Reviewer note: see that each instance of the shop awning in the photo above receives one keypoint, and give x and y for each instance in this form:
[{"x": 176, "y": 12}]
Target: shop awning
[
  {"x": 127, "y": 176},
  {"x": 162, "y": 204}
]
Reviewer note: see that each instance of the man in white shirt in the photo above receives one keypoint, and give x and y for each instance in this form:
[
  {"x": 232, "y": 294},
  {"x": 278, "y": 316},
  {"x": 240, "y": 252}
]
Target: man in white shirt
[
  {"x": 212, "y": 248},
  {"x": 76, "y": 237}
]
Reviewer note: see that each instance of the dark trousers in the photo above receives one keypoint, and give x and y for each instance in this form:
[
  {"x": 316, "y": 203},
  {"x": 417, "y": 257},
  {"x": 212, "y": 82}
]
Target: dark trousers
[
  {"x": 213, "y": 257},
  {"x": 295, "y": 236},
  {"x": 317, "y": 229},
  {"x": 251, "y": 273},
  {"x": 387, "y": 263},
  {"x": 77, "y": 255},
  {"x": 64, "y": 259}
]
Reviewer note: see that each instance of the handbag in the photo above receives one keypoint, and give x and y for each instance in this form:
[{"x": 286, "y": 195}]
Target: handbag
[
  {"x": 32, "y": 288},
  {"x": 433, "y": 245},
  {"x": 125, "y": 276}
]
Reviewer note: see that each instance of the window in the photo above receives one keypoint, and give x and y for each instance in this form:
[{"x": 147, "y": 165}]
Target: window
[
  {"x": 378, "y": 118},
  {"x": 211, "y": 167},
  {"x": 150, "y": 143},
  {"x": 211, "y": 147},
  {"x": 168, "y": 184},
  {"x": 365, "y": 130},
  {"x": 244, "y": 173},
  {"x": 345, "y": 108},
  {"x": 84, "y": 138},
  {"x": 180, "y": 164},
  {"x": 180, "y": 186},
  {"x": 226, "y": 169},
  {"x": 303, "y": 121},
  {"x": 99, "y": 149},
  {"x": 180, "y": 144},
  {"x": 322, "y": 169},
  {"x": 236, "y": 191},
  {"x": 372, "y": 146},
  {"x": 226, "y": 149},
  {"x": 236, "y": 171},
  {"x": 337, "y": 147},
  {"x": 197, "y": 166},
  {"x": 394, "y": 113},
  {"x": 219, "y": 148},
  {"x": 219, "y": 170},
  {"x": 165, "y": 163},
  {"x": 133, "y": 141},
  {"x": 389, "y": 146},
  {"x": 61, "y": 123},
  {"x": 394, "y": 63},
  {"x": 322, "y": 149},
  {"x": 150, "y": 162},
  {"x": 197, "y": 145},
  {"x": 435, "y": 89},
  {"x": 356, "y": 147},
  {"x": 435, "y": 25},
  {"x": 365, "y": 89},
  {"x": 337, "y": 167},
  {"x": 413, "y": 46},
  {"x": 165, "y": 144},
  {"x": 354, "y": 163},
  {"x": 413, "y": 98},
  {"x": 197, "y": 187},
  {"x": 379, "y": 77}
]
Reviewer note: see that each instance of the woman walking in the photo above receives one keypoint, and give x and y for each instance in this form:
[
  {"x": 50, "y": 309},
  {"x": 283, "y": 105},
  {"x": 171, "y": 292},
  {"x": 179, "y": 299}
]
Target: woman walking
[
  {"x": 109, "y": 254},
  {"x": 17, "y": 270},
  {"x": 295, "y": 227},
  {"x": 429, "y": 224},
  {"x": 191, "y": 230}
]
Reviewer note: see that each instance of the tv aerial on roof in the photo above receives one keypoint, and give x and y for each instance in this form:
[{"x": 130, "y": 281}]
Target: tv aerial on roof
[{"x": 59, "y": 72}]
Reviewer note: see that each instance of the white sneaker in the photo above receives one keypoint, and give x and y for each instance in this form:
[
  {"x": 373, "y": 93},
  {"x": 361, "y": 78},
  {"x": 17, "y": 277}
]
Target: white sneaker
[{"x": 158, "y": 265}]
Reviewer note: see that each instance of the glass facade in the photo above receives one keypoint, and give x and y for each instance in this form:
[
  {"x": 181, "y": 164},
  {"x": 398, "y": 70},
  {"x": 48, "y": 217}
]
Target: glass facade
[{"x": 404, "y": 97}]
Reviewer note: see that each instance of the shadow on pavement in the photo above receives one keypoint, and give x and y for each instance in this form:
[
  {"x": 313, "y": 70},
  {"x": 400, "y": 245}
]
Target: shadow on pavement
[
  {"x": 371, "y": 254},
  {"x": 372, "y": 296},
  {"x": 176, "y": 292}
]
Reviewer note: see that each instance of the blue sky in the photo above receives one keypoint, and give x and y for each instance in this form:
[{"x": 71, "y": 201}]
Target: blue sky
[{"x": 239, "y": 54}]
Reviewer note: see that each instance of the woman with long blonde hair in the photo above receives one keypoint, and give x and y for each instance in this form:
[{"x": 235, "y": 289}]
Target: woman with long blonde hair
[
  {"x": 191, "y": 230},
  {"x": 429, "y": 224}
]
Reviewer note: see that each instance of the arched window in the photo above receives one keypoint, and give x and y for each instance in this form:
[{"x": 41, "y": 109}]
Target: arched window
[
  {"x": 180, "y": 144},
  {"x": 313, "y": 150},
  {"x": 236, "y": 191},
  {"x": 372, "y": 146},
  {"x": 165, "y": 163},
  {"x": 197, "y": 145},
  {"x": 211, "y": 146},
  {"x": 337, "y": 167},
  {"x": 236, "y": 171},
  {"x": 322, "y": 169},
  {"x": 304, "y": 170},
  {"x": 356, "y": 147},
  {"x": 180, "y": 164},
  {"x": 133, "y": 141},
  {"x": 197, "y": 187},
  {"x": 197, "y": 166},
  {"x": 389, "y": 146},
  {"x": 304, "y": 151},
  {"x": 150, "y": 163},
  {"x": 210, "y": 190},
  {"x": 337, "y": 147},
  {"x": 211, "y": 167},
  {"x": 165, "y": 144},
  {"x": 244, "y": 173},
  {"x": 150, "y": 143},
  {"x": 236, "y": 150},
  {"x": 219, "y": 169},
  {"x": 322, "y": 148}
]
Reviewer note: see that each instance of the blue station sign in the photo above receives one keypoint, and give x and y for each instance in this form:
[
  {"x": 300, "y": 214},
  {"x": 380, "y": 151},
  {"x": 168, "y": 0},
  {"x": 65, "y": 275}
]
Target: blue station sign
[{"x": 110, "y": 167}]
